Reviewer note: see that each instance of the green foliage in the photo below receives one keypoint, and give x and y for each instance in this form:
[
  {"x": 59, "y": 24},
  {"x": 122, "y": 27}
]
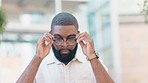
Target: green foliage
[
  {"x": 145, "y": 7},
  {"x": 3, "y": 20},
  {"x": 145, "y": 10}
]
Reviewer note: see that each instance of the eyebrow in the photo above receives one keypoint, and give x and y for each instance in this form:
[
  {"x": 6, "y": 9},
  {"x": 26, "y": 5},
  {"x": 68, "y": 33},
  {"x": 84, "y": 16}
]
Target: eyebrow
[
  {"x": 57, "y": 35},
  {"x": 66, "y": 37}
]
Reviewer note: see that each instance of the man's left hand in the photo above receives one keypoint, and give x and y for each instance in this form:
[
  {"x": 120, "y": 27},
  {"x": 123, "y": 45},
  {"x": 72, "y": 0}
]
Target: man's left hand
[{"x": 86, "y": 43}]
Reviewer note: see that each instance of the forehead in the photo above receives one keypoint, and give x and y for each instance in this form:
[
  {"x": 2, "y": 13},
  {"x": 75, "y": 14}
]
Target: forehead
[{"x": 64, "y": 30}]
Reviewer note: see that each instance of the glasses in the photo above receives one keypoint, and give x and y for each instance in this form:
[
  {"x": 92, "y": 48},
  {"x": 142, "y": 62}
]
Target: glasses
[{"x": 69, "y": 41}]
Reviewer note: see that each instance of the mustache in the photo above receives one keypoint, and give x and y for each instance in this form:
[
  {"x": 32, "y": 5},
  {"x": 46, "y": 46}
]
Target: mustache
[{"x": 64, "y": 49}]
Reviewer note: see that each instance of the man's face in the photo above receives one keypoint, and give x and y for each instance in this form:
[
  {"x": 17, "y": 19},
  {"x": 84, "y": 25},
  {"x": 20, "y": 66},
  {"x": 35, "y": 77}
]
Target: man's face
[{"x": 64, "y": 38}]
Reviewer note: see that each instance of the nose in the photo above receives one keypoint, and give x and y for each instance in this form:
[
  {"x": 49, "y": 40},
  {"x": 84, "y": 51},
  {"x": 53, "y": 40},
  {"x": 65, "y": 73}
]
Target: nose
[{"x": 64, "y": 43}]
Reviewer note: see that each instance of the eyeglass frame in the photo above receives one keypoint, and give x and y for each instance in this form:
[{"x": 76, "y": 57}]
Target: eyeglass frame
[{"x": 62, "y": 39}]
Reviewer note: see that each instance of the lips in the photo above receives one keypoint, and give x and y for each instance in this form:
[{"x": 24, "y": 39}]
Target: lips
[{"x": 64, "y": 52}]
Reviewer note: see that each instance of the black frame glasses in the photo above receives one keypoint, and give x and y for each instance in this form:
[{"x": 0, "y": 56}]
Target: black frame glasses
[{"x": 60, "y": 39}]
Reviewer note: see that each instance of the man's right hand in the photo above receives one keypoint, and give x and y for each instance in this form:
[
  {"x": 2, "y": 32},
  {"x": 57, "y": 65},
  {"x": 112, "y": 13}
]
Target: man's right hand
[
  {"x": 44, "y": 45},
  {"x": 42, "y": 51}
]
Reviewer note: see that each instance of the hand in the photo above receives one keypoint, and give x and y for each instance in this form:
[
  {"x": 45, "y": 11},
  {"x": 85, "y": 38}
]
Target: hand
[
  {"x": 44, "y": 45},
  {"x": 86, "y": 44}
]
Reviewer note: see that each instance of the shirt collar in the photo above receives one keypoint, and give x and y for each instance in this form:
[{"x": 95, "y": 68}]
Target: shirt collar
[{"x": 79, "y": 57}]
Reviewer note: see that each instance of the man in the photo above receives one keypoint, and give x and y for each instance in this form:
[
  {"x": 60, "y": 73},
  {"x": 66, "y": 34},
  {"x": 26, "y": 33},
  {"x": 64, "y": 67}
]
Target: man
[{"x": 65, "y": 65}]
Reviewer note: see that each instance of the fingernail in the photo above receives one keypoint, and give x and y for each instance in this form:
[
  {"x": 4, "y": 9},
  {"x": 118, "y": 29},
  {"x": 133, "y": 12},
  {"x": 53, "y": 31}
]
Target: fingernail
[
  {"x": 46, "y": 43},
  {"x": 77, "y": 41}
]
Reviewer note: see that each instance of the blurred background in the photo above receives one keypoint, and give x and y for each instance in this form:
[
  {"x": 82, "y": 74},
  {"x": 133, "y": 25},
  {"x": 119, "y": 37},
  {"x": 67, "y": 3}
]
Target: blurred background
[{"x": 119, "y": 30}]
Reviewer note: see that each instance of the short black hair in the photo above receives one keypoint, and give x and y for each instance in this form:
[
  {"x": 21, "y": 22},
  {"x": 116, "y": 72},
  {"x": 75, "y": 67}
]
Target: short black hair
[{"x": 64, "y": 18}]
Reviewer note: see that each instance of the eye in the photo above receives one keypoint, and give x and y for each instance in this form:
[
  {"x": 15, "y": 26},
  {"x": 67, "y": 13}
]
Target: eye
[
  {"x": 57, "y": 39},
  {"x": 71, "y": 37}
]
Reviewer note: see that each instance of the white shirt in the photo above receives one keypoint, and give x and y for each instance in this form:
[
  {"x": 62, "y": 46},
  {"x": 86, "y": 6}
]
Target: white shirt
[{"x": 78, "y": 70}]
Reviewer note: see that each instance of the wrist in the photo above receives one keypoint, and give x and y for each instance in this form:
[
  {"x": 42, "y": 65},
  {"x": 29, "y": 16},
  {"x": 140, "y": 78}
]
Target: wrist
[
  {"x": 39, "y": 56},
  {"x": 92, "y": 56}
]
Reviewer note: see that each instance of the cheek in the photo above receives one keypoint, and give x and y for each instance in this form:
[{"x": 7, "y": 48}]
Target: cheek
[
  {"x": 73, "y": 47},
  {"x": 56, "y": 47}
]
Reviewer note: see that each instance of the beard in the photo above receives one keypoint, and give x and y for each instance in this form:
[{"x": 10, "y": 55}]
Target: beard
[{"x": 65, "y": 58}]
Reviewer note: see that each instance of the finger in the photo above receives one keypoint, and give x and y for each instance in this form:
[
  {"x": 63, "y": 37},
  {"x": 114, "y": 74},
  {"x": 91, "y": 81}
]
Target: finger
[
  {"x": 48, "y": 37},
  {"x": 49, "y": 45},
  {"x": 48, "y": 41},
  {"x": 44, "y": 41},
  {"x": 41, "y": 40},
  {"x": 83, "y": 34},
  {"x": 81, "y": 44},
  {"x": 87, "y": 37},
  {"x": 84, "y": 39}
]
